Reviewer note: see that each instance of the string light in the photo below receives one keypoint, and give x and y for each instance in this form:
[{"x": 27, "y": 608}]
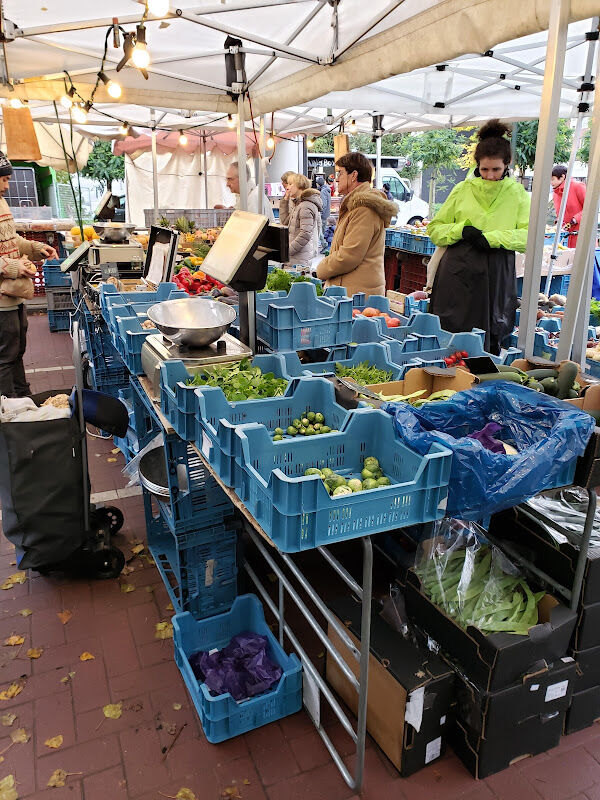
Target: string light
[
  {"x": 124, "y": 129},
  {"x": 14, "y": 102},
  {"x": 271, "y": 142},
  {"x": 310, "y": 142},
  {"x": 352, "y": 128},
  {"x": 112, "y": 87},
  {"x": 158, "y": 7},
  {"x": 183, "y": 139},
  {"x": 66, "y": 100},
  {"x": 80, "y": 113},
  {"x": 230, "y": 121},
  {"x": 140, "y": 55}
]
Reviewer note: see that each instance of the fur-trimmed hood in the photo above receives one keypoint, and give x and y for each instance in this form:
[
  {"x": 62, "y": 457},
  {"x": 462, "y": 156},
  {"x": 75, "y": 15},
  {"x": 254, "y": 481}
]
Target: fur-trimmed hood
[
  {"x": 365, "y": 195},
  {"x": 311, "y": 196}
]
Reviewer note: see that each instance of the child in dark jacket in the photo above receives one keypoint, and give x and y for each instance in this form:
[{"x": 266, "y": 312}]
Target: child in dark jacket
[{"x": 329, "y": 231}]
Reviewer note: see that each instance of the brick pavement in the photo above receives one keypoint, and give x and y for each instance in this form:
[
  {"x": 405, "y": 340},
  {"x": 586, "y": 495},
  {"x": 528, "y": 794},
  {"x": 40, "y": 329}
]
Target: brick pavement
[{"x": 124, "y": 759}]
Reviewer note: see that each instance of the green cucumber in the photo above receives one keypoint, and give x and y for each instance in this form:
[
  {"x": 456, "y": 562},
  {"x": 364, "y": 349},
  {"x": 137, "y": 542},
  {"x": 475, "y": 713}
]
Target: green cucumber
[
  {"x": 538, "y": 374},
  {"x": 549, "y": 386},
  {"x": 567, "y": 375},
  {"x": 501, "y": 376}
]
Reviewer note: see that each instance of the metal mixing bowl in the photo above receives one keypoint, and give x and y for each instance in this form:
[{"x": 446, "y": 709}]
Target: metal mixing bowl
[
  {"x": 115, "y": 232},
  {"x": 191, "y": 321}
]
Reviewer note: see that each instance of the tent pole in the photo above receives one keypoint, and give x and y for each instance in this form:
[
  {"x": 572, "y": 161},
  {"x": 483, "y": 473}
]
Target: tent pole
[
  {"x": 261, "y": 168},
  {"x": 579, "y": 286},
  {"x": 205, "y": 168},
  {"x": 247, "y": 299},
  {"x": 154, "y": 166},
  {"x": 555, "y": 63},
  {"x": 378, "y": 181},
  {"x": 588, "y": 78}
]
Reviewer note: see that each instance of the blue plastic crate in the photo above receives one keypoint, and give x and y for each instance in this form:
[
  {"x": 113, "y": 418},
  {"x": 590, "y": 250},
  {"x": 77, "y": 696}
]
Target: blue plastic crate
[
  {"x": 218, "y": 419},
  {"x": 544, "y": 347},
  {"x": 303, "y": 320},
  {"x": 411, "y": 306},
  {"x": 178, "y": 401},
  {"x": 110, "y": 295},
  {"x": 199, "y": 570},
  {"x": 53, "y": 276},
  {"x": 297, "y": 513},
  {"x": 378, "y": 355},
  {"x": 59, "y": 320},
  {"x": 559, "y": 284},
  {"x": 472, "y": 343},
  {"x": 97, "y": 336},
  {"x": 221, "y": 716}
]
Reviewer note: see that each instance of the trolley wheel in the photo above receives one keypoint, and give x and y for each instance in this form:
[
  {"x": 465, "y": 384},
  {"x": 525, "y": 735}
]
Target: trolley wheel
[
  {"x": 113, "y": 516},
  {"x": 107, "y": 563}
]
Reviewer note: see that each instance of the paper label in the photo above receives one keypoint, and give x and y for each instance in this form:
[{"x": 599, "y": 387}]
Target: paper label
[
  {"x": 433, "y": 750},
  {"x": 413, "y": 713},
  {"x": 534, "y": 687},
  {"x": 567, "y": 659},
  {"x": 556, "y": 690},
  {"x": 209, "y": 572},
  {"x": 443, "y": 720},
  {"x": 205, "y": 450},
  {"x": 311, "y": 696},
  {"x": 158, "y": 259}
]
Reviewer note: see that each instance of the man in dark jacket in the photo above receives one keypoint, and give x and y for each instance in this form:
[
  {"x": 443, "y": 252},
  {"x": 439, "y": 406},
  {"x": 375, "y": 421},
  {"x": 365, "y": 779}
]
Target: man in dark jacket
[{"x": 326, "y": 200}]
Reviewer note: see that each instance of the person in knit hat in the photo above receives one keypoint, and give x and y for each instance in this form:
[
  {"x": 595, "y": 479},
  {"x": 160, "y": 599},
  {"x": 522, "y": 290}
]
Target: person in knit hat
[{"x": 16, "y": 255}]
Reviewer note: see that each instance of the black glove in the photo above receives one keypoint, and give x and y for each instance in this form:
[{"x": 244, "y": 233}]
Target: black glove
[{"x": 475, "y": 237}]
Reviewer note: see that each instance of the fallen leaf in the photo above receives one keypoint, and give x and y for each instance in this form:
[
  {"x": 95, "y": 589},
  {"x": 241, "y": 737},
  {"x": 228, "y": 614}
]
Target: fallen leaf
[
  {"x": 185, "y": 794},
  {"x": 55, "y": 742},
  {"x": 127, "y": 587},
  {"x": 58, "y": 778},
  {"x": 171, "y": 728},
  {"x": 86, "y": 656},
  {"x": 13, "y": 690},
  {"x": 420, "y": 674},
  {"x": 12, "y": 580},
  {"x": 13, "y": 563},
  {"x": 164, "y": 630},
  {"x": 246, "y": 782},
  {"x": 14, "y": 640},
  {"x": 111, "y": 460},
  {"x": 137, "y": 549},
  {"x": 64, "y": 616},
  {"x": 115, "y": 450},
  {"x": 127, "y": 570},
  {"x": 169, "y": 607},
  {"x": 68, "y": 677},
  {"x": 35, "y": 652},
  {"x": 8, "y": 719},
  {"x": 135, "y": 707},
  {"x": 7, "y": 788},
  {"x": 177, "y": 706},
  {"x": 231, "y": 793},
  {"x": 113, "y": 710},
  {"x": 25, "y": 612},
  {"x": 20, "y": 736}
]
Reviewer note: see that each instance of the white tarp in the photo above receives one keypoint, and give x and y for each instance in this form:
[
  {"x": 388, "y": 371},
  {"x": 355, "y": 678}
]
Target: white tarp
[{"x": 298, "y": 51}]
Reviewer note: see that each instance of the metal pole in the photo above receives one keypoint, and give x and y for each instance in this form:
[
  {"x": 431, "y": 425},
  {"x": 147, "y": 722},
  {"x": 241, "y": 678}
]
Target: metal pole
[
  {"x": 586, "y": 238},
  {"x": 378, "y": 181},
  {"x": 241, "y": 148},
  {"x": 261, "y": 169},
  {"x": 247, "y": 305},
  {"x": 555, "y": 62},
  {"x": 154, "y": 166},
  {"x": 205, "y": 169}
]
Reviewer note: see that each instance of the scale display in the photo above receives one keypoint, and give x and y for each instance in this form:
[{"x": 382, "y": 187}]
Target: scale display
[
  {"x": 234, "y": 244},
  {"x": 72, "y": 262}
]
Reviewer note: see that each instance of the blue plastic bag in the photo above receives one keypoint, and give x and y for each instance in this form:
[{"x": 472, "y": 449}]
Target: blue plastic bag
[{"x": 548, "y": 433}]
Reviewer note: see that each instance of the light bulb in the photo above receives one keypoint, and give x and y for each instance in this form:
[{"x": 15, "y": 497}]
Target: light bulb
[
  {"x": 230, "y": 121},
  {"x": 79, "y": 114},
  {"x": 352, "y": 127},
  {"x": 66, "y": 101},
  {"x": 183, "y": 139},
  {"x": 158, "y": 7},
  {"x": 270, "y": 142},
  {"x": 14, "y": 102},
  {"x": 141, "y": 56},
  {"x": 310, "y": 142},
  {"x": 124, "y": 129},
  {"x": 114, "y": 89}
]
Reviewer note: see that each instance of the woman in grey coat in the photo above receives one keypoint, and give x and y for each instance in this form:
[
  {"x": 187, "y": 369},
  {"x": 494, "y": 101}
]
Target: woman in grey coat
[{"x": 305, "y": 214}]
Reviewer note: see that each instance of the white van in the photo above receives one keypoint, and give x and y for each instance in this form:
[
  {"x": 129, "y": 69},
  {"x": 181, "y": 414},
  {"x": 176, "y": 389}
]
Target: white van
[{"x": 412, "y": 209}]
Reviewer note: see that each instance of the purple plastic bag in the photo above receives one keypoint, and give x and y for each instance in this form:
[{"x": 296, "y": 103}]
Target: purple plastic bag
[
  {"x": 486, "y": 437},
  {"x": 242, "y": 668}
]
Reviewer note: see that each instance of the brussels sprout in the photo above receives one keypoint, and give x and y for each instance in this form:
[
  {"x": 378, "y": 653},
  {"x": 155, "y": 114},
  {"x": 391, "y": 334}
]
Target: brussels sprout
[
  {"x": 297, "y": 423},
  {"x": 310, "y": 430},
  {"x": 325, "y": 429},
  {"x": 369, "y": 483},
  {"x": 333, "y": 430},
  {"x": 319, "y": 418},
  {"x": 305, "y": 422},
  {"x": 371, "y": 463},
  {"x": 317, "y": 426},
  {"x": 279, "y": 431},
  {"x": 326, "y": 472},
  {"x": 366, "y": 474},
  {"x": 310, "y": 415},
  {"x": 383, "y": 481},
  {"x": 335, "y": 480},
  {"x": 355, "y": 485},
  {"x": 292, "y": 431},
  {"x": 342, "y": 490},
  {"x": 313, "y": 471},
  {"x": 278, "y": 438},
  {"x": 302, "y": 431}
]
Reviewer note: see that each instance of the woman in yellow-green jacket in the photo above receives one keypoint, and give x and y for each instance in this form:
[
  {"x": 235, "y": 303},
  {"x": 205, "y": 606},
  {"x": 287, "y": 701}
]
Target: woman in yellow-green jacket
[{"x": 482, "y": 223}]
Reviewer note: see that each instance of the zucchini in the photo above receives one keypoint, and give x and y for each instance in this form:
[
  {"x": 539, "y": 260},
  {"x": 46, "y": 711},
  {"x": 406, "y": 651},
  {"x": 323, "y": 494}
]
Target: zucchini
[
  {"x": 538, "y": 374},
  {"x": 549, "y": 386},
  {"x": 535, "y": 385},
  {"x": 510, "y": 368},
  {"x": 501, "y": 376},
  {"x": 567, "y": 375}
]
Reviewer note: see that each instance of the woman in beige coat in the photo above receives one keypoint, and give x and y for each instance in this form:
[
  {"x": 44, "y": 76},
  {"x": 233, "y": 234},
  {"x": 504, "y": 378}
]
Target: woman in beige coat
[
  {"x": 356, "y": 257},
  {"x": 303, "y": 223}
]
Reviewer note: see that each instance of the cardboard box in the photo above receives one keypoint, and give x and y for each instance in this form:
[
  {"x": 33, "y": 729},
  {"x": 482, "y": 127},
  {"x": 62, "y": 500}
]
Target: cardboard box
[
  {"x": 584, "y": 711},
  {"x": 490, "y": 731},
  {"x": 558, "y": 561},
  {"x": 496, "y": 660},
  {"x": 587, "y": 632},
  {"x": 429, "y": 379},
  {"x": 588, "y": 668},
  {"x": 406, "y": 683}
]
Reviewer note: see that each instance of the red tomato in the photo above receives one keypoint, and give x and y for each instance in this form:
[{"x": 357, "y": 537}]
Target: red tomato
[
  {"x": 371, "y": 312},
  {"x": 392, "y": 322}
]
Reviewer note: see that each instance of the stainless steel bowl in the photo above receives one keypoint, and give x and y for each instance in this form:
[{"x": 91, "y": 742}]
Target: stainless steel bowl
[
  {"x": 116, "y": 232},
  {"x": 153, "y": 472},
  {"x": 191, "y": 321}
]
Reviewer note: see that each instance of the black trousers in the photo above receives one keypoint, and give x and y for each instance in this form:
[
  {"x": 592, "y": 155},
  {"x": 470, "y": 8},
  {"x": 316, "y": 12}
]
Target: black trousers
[{"x": 13, "y": 341}]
